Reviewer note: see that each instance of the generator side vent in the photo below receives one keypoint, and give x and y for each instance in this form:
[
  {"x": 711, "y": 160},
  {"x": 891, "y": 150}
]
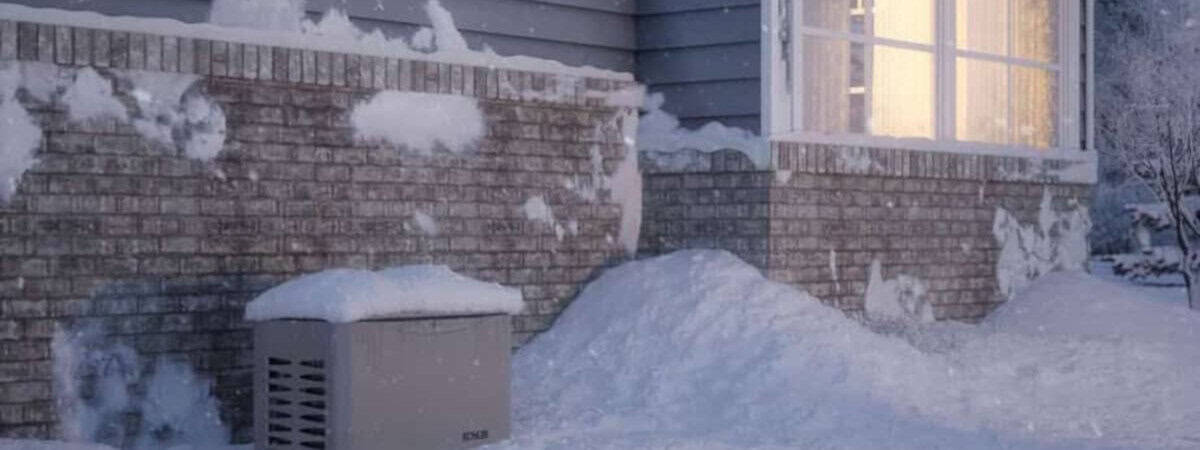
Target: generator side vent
[{"x": 296, "y": 407}]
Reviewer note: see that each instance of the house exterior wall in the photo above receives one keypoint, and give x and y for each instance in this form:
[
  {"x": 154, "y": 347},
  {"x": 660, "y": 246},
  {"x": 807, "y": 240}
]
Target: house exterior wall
[
  {"x": 163, "y": 252},
  {"x": 598, "y": 33},
  {"x": 817, "y": 222},
  {"x": 704, "y": 57}
]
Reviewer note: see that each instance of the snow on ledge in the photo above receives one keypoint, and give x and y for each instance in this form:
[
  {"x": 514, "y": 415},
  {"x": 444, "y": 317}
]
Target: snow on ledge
[
  {"x": 660, "y": 136},
  {"x": 350, "y": 41},
  {"x": 351, "y": 295}
]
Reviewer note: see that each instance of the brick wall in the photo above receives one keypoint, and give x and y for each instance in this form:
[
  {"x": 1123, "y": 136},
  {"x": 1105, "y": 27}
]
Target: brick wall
[
  {"x": 822, "y": 214},
  {"x": 163, "y": 251}
]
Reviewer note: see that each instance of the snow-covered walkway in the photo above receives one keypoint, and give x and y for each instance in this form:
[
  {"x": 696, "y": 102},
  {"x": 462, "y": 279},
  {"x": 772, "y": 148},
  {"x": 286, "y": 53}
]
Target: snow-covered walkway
[{"x": 697, "y": 350}]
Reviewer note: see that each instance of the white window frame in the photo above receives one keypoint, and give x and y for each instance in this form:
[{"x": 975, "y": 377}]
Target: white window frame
[{"x": 782, "y": 95}]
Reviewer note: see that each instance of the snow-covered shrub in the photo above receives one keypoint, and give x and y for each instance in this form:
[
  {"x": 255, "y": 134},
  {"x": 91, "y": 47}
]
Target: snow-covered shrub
[
  {"x": 99, "y": 382},
  {"x": 1147, "y": 61},
  {"x": 1147, "y": 263}
]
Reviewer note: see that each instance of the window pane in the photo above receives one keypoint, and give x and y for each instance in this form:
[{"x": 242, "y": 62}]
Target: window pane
[
  {"x": 981, "y": 101},
  {"x": 1034, "y": 26},
  {"x": 830, "y": 75},
  {"x": 1035, "y": 114},
  {"x": 905, "y": 20},
  {"x": 835, "y": 15},
  {"x": 902, "y": 92},
  {"x": 982, "y": 25}
]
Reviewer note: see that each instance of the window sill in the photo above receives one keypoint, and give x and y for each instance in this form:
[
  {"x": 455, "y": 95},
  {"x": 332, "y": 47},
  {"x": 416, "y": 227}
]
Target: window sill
[{"x": 926, "y": 158}]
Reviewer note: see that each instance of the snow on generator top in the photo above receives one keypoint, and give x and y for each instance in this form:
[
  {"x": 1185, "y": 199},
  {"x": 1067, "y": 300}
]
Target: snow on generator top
[{"x": 351, "y": 295}]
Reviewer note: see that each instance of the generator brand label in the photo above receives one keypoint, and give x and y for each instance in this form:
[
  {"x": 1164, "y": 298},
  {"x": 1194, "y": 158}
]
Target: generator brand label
[{"x": 474, "y": 435}]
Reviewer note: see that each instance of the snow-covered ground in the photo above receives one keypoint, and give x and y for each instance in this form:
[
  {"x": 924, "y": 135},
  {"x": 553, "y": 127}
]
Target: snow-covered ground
[{"x": 697, "y": 350}]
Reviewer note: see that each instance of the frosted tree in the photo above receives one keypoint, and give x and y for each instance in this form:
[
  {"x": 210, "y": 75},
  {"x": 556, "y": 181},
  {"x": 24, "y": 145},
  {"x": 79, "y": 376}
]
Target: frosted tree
[{"x": 1149, "y": 112}]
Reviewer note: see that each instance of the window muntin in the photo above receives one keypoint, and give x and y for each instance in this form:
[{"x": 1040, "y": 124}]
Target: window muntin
[
  {"x": 981, "y": 101},
  {"x": 1005, "y": 80},
  {"x": 1034, "y": 107},
  {"x": 848, "y": 42},
  {"x": 877, "y": 68},
  {"x": 1035, "y": 30}
]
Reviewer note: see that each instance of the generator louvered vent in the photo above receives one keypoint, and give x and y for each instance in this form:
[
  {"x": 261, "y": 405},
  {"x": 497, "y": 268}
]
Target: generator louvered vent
[{"x": 296, "y": 409}]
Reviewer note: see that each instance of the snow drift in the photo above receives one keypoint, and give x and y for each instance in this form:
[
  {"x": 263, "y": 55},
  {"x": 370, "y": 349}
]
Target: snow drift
[{"x": 697, "y": 349}]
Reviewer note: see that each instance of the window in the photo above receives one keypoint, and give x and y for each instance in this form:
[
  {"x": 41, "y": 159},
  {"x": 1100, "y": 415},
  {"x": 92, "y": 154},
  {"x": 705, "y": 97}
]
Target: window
[
  {"x": 874, "y": 67},
  {"x": 981, "y": 72}
]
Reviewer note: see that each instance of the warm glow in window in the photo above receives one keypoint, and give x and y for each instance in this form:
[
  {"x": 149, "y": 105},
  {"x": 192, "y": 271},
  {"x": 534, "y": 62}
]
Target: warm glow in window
[
  {"x": 876, "y": 67},
  {"x": 1004, "y": 82},
  {"x": 862, "y": 81}
]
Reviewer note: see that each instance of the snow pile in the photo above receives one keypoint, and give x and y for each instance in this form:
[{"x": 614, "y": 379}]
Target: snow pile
[
  {"x": 536, "y": 210},
  {"x": 91, "y": 97},
  {"x": 166, "y": 108},
  {"x": 446, "y": 37},
  {"x": 172, "y": 111},
  {"x": 659, "y": 133},
  {"x": 95, "y": 389},
  {"x": 350, "y": 295},
  {"x": 14, "y": 444},
  {"x": 180, "y": 410},
  {"x": 274, "y": 15},
  {"x": 1058, "y": 241},
  {"x": 697, "y": 350},
  {"x": 419, "y": 120},
  {"x": 21, "y": 136},
  {"x": 425, "y": 223},
  {"x": 902, "y": 298}
]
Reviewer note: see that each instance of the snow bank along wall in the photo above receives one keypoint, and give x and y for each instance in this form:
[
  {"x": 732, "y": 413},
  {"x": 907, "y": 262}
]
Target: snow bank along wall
[
  {"x": 161, "y": 244},
  {"x": 818, "y": 216}
]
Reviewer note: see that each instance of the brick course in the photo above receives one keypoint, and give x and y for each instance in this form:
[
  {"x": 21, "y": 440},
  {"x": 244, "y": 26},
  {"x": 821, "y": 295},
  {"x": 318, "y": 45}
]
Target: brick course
[
  {"x": 926, "y": 215},
  {"x": 164, "y": 251}
]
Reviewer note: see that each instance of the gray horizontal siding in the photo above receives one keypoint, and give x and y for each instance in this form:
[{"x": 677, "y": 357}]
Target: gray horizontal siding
[
  {"x": 704, "y": 57},
  {"x": 626, "y": 7},
  {"x": 598, "y": 33},
  {"x": 697, "y": 28},
  {"x": 645, "y": 7},
  {"x": 707, "y": 63},
  {"x": 517, "y": 18},
  {"x": 713, "y": 99}
]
